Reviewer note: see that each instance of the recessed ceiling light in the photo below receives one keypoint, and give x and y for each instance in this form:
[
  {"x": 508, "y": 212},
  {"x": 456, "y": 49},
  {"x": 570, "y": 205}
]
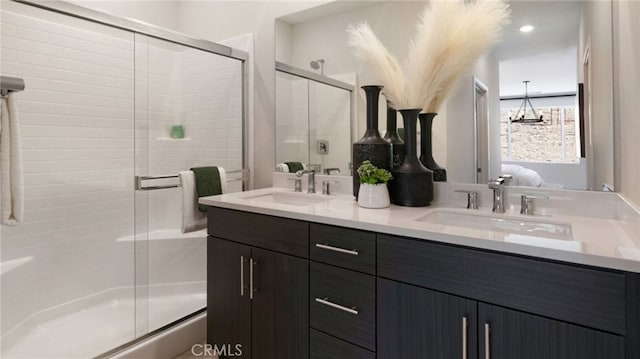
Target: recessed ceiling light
[{"x": 526, "y": 28}]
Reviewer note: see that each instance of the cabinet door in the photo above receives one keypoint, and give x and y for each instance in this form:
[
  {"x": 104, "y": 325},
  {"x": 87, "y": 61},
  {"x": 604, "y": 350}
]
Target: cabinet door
[
  {"x": 414, "y": 322},
  {"x": 280, "y": 306},
  {"x": 510, "y": 334},
  {"x": 228, "y": 303}
]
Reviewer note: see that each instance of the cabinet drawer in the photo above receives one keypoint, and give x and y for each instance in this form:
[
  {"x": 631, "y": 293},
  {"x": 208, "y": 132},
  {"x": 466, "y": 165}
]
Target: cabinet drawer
[
  {"x": 343, "y": 247},
  {"x": 325, "y": 346},
  {"x": 586, "y": 296},
  {"x": 342, "y": 303},
  {"x": 258, "y": 230}
]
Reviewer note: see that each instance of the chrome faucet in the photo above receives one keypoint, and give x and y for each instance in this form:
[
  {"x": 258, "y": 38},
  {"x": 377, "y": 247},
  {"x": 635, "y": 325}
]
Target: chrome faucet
[
  {"x": 311, "y": 188},
  {"x": 497, "y": 186},
  {"x": 526, "y": 205}
]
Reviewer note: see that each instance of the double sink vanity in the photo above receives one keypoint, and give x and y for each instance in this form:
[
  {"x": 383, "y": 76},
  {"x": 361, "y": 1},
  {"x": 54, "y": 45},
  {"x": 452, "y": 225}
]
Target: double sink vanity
[{"x": 297, "y": 275}]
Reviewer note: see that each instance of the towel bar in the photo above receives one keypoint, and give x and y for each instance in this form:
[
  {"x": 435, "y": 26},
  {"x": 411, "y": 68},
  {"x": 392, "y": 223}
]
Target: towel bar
[
  {"x": 10, "y": 84},
  {"x": 139, "y": 186}
]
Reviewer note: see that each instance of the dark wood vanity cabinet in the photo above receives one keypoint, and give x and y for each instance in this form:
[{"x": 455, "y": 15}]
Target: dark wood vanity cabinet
[
  {"x": 415, "y": 320},
  {"x": 457, "y": 302},
  {"x": 290, "y": 289},
  {"x": 257, "y": 297},
  {"x": 506, "y": 333}
]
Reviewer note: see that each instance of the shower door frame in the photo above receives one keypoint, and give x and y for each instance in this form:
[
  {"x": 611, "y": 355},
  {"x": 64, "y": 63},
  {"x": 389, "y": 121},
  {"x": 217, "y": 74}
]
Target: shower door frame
[{"x": 140, "y": 28}]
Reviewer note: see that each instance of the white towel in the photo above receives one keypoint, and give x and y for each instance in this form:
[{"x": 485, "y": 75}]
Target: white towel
[
  {"x": 282, "y": 167},
  {"x": 192, "y": 219},
  {"x": 11, "y": 176}
]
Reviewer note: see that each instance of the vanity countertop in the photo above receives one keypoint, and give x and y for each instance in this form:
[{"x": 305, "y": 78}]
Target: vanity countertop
[{"x": 600, "y": 242}]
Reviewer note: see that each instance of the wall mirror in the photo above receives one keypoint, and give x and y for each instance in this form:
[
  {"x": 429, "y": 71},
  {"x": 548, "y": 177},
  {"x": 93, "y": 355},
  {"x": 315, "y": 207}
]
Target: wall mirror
[
  {"x": 313, "y": 121},
  {"x": 566, "y": 57}
]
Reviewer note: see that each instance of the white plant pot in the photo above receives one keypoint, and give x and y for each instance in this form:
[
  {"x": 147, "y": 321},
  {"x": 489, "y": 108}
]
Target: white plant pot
[{"x": 373, "y": 195}]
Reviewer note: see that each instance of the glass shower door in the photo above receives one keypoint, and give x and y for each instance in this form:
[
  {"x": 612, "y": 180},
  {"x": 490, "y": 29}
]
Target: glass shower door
[{"x": 188, "y": 114}]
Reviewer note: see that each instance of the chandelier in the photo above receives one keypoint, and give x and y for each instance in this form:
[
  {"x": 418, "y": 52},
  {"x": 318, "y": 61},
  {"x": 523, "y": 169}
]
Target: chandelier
[{"x": 525, "y": 101}]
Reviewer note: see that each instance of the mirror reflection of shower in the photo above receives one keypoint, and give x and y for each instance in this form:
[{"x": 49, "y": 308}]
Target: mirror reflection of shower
[{"x": 318, "y": 64}]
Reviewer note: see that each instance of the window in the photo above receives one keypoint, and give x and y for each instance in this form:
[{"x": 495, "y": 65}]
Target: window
[{"x": 555, "y": 139}]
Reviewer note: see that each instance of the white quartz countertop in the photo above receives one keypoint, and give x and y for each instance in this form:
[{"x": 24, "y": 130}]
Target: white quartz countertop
[{"x": 600, "y": 242}]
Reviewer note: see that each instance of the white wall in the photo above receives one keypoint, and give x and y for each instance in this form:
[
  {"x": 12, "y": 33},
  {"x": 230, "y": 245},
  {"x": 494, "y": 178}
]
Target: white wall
[
  {"x": 460, "y": 123},
  {"x": 596, "y": 30},
  {"x": 160, "y": 13},
  {"x": 627, "y": 106}
]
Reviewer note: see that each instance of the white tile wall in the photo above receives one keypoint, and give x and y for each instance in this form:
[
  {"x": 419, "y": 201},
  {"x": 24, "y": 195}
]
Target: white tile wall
[
  {"x": 82, "y": 144},
  {"x": 77, "y": 128}
]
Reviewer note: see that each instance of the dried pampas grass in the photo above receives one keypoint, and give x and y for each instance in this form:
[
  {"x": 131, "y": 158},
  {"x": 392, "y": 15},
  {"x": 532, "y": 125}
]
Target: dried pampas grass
[
  {"x": 389, "y": 72},
  {"x": 450, "y": 37}
]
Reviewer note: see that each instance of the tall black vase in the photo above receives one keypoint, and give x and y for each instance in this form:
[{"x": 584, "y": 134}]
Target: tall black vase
[
  {"x": 412, "y": 183},
  {"x": 391, "y": 136},
  {"x": 426, "y": 147},
  {"x": 371, "y": 146}
]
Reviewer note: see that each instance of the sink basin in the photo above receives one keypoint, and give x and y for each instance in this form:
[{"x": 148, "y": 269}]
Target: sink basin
[
  {"x": 290, "y": 198},
  {"x": 507, "y": 225}
]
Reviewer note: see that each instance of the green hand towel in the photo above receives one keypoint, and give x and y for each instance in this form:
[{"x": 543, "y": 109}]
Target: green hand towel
[
  {"x": 207, "y": 183},
  {"x": 294, "y": 166}
]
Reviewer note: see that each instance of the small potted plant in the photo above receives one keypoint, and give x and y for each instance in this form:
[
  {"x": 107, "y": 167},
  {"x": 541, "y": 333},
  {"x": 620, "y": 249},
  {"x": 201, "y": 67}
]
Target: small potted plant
[{"x": 373, "y": 192}]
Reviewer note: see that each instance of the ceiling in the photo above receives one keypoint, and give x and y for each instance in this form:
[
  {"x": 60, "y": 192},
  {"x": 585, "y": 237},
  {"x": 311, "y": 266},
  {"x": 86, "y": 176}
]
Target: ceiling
[{"x": 556, "y": 25}]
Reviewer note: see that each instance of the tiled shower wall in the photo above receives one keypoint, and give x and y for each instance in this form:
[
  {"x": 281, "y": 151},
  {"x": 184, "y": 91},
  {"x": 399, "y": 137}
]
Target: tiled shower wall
[
  {"x": 77, "y": 116},
  {"x": 77, "y": 134}
]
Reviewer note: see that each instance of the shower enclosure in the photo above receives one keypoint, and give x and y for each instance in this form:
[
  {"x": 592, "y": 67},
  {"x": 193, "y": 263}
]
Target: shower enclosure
[
  {"x": 314, "y": 119},
  {"x": 98, "y": 263}
]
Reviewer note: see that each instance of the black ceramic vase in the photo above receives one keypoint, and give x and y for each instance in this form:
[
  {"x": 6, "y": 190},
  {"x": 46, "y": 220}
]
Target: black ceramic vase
[
  {"x": 412, "y": 183},
  {"x": 426, "y": 147},
  {"x": 397, "y": 144},
  {"x": 371, "y": 146}
]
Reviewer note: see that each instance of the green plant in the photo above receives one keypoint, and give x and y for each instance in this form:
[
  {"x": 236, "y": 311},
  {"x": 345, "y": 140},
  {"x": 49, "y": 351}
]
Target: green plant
[{"x": 372, "y": 175}]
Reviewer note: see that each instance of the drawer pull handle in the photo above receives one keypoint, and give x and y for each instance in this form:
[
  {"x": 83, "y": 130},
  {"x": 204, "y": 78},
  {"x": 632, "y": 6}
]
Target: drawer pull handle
[
  {"x": 465, "y": 325},
  {"x": 336, "y": 249},
  {"x": 326, "y": 301},
  {"x": 487, "y": 341}
]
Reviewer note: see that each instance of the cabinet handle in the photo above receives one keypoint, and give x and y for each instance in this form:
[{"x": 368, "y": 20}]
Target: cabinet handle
[
  {"x": 337, "y": 249},
  {"x": 242, "y": 276},
  {"x": 465, "y": 325},
  {"x": 326, "y": 301},
  {"x": 251, "y": 264},
  {"x": 487, "y": 341}
]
